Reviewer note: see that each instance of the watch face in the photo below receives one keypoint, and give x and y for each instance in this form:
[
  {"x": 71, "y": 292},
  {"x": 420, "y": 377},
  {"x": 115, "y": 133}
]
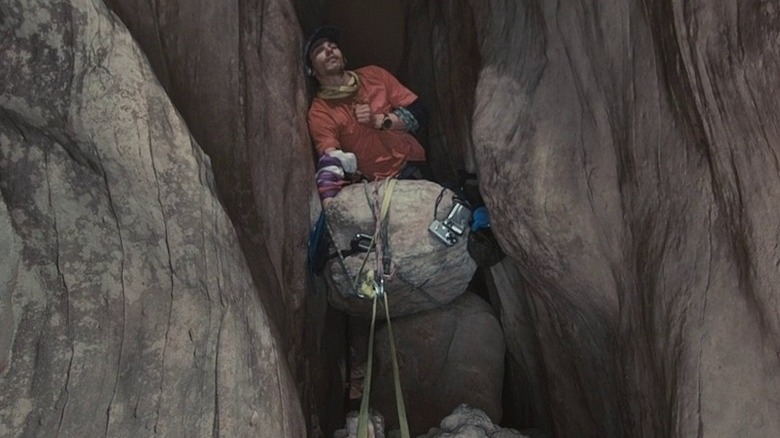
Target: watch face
[{"x": 387, "y": 123}]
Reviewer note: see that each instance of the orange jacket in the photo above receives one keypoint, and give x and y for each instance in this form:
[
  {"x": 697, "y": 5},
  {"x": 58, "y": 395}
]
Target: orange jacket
[{"x": 380, "y": 154}]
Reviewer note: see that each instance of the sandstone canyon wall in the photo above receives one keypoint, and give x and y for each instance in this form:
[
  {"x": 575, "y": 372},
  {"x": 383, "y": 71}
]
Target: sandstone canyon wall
[
  {"x": 233, "y": 71},
  {"x": 628, "y": 154},
  {"x": 127, "y": 306}
]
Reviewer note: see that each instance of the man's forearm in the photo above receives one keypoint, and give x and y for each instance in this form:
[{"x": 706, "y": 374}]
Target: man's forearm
[
  {"x": 404, "y": 118},
  {"x": 419, "y": 112}
]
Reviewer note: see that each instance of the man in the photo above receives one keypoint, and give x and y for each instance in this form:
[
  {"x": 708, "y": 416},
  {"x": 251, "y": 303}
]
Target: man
[{"x": 360, "y": 120}]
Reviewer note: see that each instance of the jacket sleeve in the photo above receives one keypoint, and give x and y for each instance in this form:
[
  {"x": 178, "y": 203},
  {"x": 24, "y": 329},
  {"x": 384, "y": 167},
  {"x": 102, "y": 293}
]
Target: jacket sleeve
[
  {"x": 323, "y": 129},
  {"x": 407, "y": 105},
  {"x": 397, "y": 93},
  {"x": 330, "y": 176}
]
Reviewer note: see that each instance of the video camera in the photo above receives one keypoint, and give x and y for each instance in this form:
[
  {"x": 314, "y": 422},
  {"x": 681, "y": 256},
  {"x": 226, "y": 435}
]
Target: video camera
[{"x": 454, "y": 224}]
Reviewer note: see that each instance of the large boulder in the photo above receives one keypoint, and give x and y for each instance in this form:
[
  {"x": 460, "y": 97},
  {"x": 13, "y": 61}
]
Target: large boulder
[
  {"x": 427, "y": 273},
  {"x": 468, "y": 422},
  {"x": 127, "y": 306},
  {"x": 446, "y": 356},
  {"x": 9, "y": 255}
]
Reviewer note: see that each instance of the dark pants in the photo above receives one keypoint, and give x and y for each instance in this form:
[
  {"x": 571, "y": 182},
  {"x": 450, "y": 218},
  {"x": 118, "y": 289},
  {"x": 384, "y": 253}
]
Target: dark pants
[{"x": 415, "y": 170}]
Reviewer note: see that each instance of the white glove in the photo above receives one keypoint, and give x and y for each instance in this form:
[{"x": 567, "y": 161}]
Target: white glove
[{"x": 348, "y": 160}]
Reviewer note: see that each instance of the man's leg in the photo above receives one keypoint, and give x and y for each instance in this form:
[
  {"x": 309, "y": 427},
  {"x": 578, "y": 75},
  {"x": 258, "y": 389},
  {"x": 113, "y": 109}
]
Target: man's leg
[{"x": 415, "y": 170}]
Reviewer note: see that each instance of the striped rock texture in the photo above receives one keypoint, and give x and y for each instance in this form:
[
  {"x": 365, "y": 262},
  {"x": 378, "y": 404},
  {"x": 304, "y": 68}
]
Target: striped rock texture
[
  {"x": 627, "y": 152},
  {"x": 127, "y": 306}
]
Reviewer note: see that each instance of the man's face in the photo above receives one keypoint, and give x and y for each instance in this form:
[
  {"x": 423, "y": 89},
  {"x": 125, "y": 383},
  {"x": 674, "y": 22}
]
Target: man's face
[{"x": 326, "y": 58}]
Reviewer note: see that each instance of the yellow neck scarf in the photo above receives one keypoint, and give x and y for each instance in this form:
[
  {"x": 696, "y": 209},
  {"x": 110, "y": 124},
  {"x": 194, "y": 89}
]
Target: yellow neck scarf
[{"x": 329, "y": 92}]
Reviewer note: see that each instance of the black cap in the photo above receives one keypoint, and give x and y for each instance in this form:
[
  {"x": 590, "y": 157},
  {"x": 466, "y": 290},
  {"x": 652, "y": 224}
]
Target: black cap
[{"x": 329, "y": 32}]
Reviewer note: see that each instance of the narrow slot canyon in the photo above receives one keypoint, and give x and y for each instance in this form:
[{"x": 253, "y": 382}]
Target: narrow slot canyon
[
  {"x": 157, "y": 195},
  {"x": 454, "y": 352}
]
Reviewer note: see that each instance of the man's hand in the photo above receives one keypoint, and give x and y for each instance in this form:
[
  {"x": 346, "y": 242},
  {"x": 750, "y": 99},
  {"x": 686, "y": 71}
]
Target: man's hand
[{"x": 363, "y": 114}]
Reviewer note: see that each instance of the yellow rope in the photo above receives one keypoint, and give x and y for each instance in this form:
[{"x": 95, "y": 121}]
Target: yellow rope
[
  {"x": 369, "y": 288},
  {"x": 364, "y": 282},
  {"x": 399, "y": 396},
  {"x": 363, "y": 417}
]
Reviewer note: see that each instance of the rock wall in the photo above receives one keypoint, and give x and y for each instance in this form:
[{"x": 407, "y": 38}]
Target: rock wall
[
  {"x": 446, "y": 357},
  {"x": 233, "y": 71},
  {"x": 127, "y": 306},
  {"x": 442, "y": 65},
  {"x": 628, "y": 154}
]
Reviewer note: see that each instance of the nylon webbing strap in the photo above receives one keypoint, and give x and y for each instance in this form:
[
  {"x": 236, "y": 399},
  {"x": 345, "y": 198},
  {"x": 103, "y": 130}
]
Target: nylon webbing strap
[
  {"x": 399, "y": 398},
  {"x": 386, "y": 198},
  {"x": 363, "y": 283},
  {"x": 381, "y": 225},
  {"x": 363, "y": 417}
]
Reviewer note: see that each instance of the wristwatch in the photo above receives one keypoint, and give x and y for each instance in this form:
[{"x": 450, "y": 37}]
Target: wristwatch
[{"x": 387, "y": 123}]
